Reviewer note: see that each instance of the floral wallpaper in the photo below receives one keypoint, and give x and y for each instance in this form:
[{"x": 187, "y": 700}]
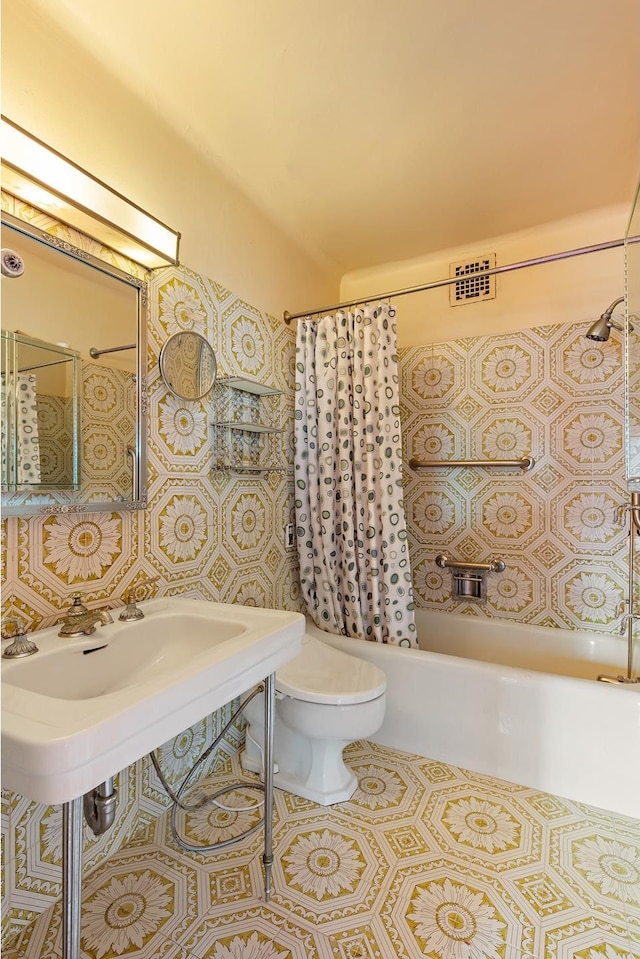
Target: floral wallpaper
[
  {"x": 207, "y": 534},
  {"x": 547, "y": 392}
]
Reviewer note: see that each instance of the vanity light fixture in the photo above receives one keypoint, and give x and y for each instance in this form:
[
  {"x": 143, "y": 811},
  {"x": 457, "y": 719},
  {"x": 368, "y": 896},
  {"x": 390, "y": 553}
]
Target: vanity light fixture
[{"x": 42, "y": 177}]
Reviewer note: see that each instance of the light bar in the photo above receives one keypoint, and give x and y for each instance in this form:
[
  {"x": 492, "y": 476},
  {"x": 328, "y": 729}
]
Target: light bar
[{"x": 43, "y": 178}]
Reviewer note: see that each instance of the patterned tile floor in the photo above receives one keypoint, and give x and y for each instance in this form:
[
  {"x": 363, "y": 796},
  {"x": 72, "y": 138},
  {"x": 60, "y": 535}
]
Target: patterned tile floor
[{"x": 426, "y": 860}]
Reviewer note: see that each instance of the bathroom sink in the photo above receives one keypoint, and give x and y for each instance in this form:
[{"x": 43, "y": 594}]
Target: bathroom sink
[
  {"x": 111, "y": 659},
  {"x": 79, "y": 710}
]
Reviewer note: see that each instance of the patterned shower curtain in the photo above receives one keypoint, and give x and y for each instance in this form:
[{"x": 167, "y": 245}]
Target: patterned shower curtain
[
  {"x": 26, "y": 430},
  {"x": 351, "y": 530}
]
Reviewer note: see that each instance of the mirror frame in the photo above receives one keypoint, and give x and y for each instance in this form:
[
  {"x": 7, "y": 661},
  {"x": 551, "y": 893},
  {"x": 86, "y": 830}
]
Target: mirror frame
[
  {"x": 139, "y": 499},
  {"x": 632, "y": 344}
]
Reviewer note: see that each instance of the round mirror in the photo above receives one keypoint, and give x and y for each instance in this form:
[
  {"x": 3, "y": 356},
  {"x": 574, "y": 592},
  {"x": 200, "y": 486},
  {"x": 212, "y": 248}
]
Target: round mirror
[{"x": 188, "y": 365}]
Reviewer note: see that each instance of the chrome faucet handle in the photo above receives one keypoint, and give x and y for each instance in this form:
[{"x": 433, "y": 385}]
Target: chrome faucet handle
[
  {"x": 133, "y": 595},
  {"x": 633, "y": 508},
  {"x": 147, "y": 581},
  {"x": 627, "y": 618},
  {"x": 133, "y": 592},
  {"x": 20, "y": 644},
  {"x": 131, "y": 612}
]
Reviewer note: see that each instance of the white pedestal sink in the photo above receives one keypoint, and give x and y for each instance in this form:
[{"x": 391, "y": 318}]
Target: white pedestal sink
[{"x": 80, "y": 710}]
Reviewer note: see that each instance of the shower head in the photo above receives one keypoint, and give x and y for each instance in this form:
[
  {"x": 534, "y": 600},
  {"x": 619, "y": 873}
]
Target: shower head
[{"x": 601, "y": 329}]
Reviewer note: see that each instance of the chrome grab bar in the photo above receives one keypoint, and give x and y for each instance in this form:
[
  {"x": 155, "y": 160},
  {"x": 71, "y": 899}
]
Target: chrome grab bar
[
  {"x": 494, "y": 566},
  {"x": 525, "y": 464}
]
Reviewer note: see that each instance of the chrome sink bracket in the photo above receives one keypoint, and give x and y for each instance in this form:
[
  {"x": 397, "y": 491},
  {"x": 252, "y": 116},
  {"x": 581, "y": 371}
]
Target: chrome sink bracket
[
  {"x": 71, "y": 877},
  {"x": 269, "y": 714}
]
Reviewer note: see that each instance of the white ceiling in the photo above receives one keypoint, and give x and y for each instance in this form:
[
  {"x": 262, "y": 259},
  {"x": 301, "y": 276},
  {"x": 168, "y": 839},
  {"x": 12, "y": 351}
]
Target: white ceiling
[{"x": 379, "y": 130}]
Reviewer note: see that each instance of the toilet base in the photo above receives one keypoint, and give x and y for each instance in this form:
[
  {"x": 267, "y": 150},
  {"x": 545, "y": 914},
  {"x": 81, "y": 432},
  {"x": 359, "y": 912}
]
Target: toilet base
[
  {"x": 305, "y": 765},
  {"x": 290, "y": 783}
]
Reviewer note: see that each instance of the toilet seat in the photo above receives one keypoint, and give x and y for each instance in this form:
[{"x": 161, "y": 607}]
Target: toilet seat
[{"x": 322, "y": 674}]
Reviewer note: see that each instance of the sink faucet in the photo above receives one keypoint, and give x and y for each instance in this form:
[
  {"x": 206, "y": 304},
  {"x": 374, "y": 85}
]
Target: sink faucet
[{"x": 80, "y": 621}]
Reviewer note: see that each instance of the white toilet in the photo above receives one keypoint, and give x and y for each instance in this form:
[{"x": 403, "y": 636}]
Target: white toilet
[{"x": 325, "y": 699}]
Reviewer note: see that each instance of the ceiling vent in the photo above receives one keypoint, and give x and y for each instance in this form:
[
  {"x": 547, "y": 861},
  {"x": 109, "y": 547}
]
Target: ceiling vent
[{"x": 473, "y": 286}]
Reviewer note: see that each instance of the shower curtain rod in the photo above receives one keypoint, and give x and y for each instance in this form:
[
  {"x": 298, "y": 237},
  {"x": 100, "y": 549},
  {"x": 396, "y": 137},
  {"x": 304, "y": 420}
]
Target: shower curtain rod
[{"x": 507, "y": 268}]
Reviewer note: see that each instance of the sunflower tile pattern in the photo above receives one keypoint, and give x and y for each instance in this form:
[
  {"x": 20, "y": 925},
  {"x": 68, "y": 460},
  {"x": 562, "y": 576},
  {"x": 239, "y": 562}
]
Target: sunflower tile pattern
[
  {"x": 546, "y": 392},
  {"x": 425, "y": 860}
]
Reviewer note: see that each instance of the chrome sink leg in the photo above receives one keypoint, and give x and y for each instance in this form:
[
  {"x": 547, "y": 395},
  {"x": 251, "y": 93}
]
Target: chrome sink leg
[
  {"x": 269, "y": 714},
  {"x": 71, "y": 877}
]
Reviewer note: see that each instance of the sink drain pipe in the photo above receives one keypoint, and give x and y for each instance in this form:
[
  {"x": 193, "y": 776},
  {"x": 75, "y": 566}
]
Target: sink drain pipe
[{"x": 100, "y": 806}]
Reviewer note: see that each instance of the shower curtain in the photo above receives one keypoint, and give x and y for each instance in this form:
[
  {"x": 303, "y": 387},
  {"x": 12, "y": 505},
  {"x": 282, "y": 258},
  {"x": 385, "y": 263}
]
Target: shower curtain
[
  {"x": 25, "y": 430},
  {"x": 351, "y": 530}
]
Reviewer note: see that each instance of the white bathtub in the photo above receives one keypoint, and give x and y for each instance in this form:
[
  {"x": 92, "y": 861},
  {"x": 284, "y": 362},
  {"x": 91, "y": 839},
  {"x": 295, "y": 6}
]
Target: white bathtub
[{"x": 547, "y": 729}]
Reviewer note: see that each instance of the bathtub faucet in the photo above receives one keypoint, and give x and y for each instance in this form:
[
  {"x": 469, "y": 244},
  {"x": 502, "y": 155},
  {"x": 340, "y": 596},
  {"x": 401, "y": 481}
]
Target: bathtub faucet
[
  {"x": 603, "y": 678},
  {"x": 627, "y": 622}
]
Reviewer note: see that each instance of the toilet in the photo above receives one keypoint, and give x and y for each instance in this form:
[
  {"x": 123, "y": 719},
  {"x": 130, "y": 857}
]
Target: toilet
[{"x": 325, "y": 700}]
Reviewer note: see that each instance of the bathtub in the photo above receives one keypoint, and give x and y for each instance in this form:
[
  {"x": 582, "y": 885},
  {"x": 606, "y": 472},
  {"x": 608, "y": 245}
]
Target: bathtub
[{"x": 516, "y": 702}]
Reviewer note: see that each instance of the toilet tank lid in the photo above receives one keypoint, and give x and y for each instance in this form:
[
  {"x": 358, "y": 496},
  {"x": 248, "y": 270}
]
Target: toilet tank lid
[{"x": 322, "y": 674}]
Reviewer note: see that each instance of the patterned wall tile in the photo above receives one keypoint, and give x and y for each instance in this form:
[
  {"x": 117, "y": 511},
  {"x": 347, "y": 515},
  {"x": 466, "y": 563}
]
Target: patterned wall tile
[
  {"x": 63, "y": 553},
  {"x": 547, "y": 392},
  {"x": 437, "y": 374},
  {"x": 437, "y": 435},
  {"x": 585, "y": 519},
  {"x": 247, "y": 522},
  {"x": 178, "y": 541},
  {"x": 183, "y": 303},
  {"x": 591, "y": 438},
  {"x": 244, "y": 347},
  {"x": 505, "y": 367},
  {"x": 516, "y": 593},
  {"x": 582, "y": 367},
  {"x": 587, "y": 594},
  {"x": 504, "y": 434},
  {"x": 181, "y": 432}
]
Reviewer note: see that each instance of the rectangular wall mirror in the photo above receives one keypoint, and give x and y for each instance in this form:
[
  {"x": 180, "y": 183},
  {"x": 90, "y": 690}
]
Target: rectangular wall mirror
[{"x": 73, "y": 380}]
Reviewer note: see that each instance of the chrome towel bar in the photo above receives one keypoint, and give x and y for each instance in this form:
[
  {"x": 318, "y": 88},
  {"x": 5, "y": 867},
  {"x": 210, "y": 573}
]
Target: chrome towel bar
[
  {"x": 494, "y": 566},
  {"x": 526, "y": 463},
  {"x": 94, "y": 353}
]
